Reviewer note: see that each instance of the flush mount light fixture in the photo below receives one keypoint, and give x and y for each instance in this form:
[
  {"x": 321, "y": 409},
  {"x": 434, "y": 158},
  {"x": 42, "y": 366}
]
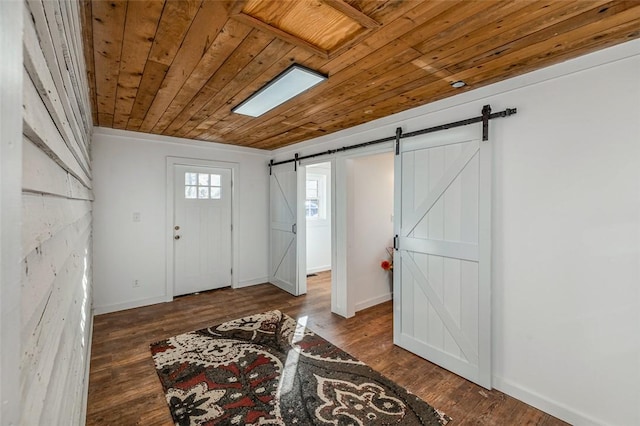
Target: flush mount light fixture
[
  {"x": 289, "y": 84},
  {"x": 458, "y": 84}
]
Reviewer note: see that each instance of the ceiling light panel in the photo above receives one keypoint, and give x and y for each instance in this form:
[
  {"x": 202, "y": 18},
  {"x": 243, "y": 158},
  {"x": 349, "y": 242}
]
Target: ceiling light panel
[{"x": 292, "y": 82}]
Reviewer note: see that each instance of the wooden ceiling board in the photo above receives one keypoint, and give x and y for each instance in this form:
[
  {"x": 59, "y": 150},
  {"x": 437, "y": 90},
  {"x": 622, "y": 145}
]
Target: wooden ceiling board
[
  {"x": 369, "y": 78},
  {"x": 178, "y": 67},
  {"x": 604, "y": 16},
  {"x": 347, "y": 90},
  {"x": 229, "y": 122},
  {"x": 220, "y": 117},
  {"x": 231, "y": 36},
  {"x": 206, "y": 25},
  {"x": 317, "y": 94},
  {"x": 176, "y": 19},
  {"x": 108, "y": 26},
  {"x": 495, "y": 14},
  {"x": 152, "y": 77},
  {"x": 383, "y": 78},
  {"x": 271, "y": 54},
  {"x": 540, "y": 13},
  {"x": 140, "y": 28},
  {"x": 246, "y": 51}
]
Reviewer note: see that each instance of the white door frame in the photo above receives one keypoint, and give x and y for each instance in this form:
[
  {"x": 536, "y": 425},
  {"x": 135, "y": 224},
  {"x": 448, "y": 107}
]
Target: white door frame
[
  {"x": 342, "y": 297},
  {"x": 171, "y": 162}
]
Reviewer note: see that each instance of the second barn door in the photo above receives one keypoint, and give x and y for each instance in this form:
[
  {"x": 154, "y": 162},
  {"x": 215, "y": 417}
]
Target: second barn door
[
  {"x": 286, "y": 265},
  {"x": 442, "y": 280}
]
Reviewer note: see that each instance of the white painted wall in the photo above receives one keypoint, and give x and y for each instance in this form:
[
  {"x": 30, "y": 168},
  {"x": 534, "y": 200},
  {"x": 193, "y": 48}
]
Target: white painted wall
[
  {"x": 566, "y": 230},
  {"x": 369, "y": 228},
  {"x": 130, "y": 176},
  {"x": 11, "y": 76},
  {"x": 319, "y": 230}
]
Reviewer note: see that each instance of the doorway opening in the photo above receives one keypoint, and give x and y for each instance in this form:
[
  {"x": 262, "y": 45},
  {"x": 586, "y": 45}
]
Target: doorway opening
[
  {"x": 370, "y": 192},
  {"x": 318, "y": 218}
]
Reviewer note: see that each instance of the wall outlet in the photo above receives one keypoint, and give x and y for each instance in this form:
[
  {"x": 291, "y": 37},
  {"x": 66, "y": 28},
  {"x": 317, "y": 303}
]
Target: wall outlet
[{"x": 136, "y": 283}]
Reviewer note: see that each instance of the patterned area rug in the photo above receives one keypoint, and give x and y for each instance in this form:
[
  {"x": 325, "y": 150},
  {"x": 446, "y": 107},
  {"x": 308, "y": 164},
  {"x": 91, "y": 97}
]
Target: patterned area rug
[{"x": 267, "y": 369}]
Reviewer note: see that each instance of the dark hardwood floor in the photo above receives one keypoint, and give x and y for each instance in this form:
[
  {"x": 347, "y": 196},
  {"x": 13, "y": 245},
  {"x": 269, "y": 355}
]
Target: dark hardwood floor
[{"x": 124, "y": 388}]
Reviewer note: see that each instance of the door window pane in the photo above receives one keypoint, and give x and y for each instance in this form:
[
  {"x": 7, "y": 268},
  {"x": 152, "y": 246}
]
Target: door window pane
[
  {"x": 312, "y": 208},
  {"x": 215, "y": 180},
  {"x": 314, "y": 197},
  {"x": 203, "y": 192},
  {"x": 190, "y": 192},
  {"x": 203, "y": 179},
  {"x": 312, "y": 188},
  {"x": 216, "y": 193},
  {"x": 190, "y": 178}
]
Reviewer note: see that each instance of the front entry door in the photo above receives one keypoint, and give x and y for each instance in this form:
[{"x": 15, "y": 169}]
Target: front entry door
[
  {"x": 201, "y": 229},
  {"x": 442, "y": 283}
]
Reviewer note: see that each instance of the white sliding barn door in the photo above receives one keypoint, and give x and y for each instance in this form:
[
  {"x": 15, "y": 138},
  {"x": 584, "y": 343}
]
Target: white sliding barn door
[
  {"x": 284, "y": 262},
  {"x": 442, "y": 280}
]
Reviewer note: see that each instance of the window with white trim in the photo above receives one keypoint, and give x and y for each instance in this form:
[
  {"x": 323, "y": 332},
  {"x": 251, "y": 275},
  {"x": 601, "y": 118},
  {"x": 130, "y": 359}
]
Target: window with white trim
[{"x": 315, "y": 202}]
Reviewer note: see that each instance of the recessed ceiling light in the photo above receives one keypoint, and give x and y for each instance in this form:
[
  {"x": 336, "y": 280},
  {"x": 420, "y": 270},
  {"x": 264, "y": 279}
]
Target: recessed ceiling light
[
  {"x": 458, "y": 84},
  {"x": 289, "y": 84}
]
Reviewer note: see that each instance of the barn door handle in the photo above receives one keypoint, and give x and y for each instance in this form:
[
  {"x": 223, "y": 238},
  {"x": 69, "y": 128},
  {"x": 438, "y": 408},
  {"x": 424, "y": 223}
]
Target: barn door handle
[{"x": 294, "y": 228}]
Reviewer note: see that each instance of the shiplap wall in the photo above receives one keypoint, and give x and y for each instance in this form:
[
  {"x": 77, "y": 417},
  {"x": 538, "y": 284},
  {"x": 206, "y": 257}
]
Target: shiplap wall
[{"x": 56, "y": 216}]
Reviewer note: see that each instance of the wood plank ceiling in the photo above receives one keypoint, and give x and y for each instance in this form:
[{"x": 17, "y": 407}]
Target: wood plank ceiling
[{"x": 178, "y": 67}]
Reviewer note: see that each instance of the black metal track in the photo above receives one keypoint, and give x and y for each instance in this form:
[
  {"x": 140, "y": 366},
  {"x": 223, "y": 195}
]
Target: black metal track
[{"x": 399, "y": 135}]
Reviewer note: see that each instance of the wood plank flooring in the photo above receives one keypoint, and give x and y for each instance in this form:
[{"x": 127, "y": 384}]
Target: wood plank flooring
[{"x": 124, "y": 388}]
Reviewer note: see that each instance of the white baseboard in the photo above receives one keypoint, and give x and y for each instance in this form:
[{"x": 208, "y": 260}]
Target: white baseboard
[
  {"x": 255, "y": 281},
  {"x": 373, "y": 301},
  {"x": 556, "y": 409},
  {"x": 99, "y": 310},
  {"x": 85, "y": 390},
  {"x": 318, "y": 269}
]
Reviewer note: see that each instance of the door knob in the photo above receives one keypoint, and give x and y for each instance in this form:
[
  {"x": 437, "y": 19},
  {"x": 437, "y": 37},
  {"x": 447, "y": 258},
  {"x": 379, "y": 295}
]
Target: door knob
[
  {"x": 177, "y": 237},
  {"x": 176, "y": 227}
]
